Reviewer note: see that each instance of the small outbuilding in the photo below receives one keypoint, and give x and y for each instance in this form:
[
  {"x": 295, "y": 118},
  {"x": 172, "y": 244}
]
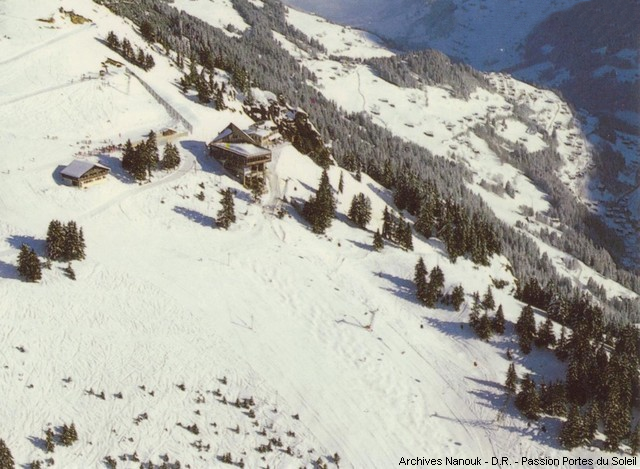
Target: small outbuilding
[
  {"x": 82, "y": 173},
  {"x": 264, "y": 133}
]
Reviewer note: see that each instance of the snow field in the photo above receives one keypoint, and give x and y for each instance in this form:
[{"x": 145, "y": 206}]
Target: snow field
[
  {"x": 338, "y": 40},
  {"x": 218, "y": 13},
  {"x": 164, "y": 299}
]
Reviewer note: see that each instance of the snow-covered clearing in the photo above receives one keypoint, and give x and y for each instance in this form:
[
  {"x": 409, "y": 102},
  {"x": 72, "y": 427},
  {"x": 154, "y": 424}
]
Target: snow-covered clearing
[
  {"x": 218, "y": 13},
  {"x": 338, "y": 40}
]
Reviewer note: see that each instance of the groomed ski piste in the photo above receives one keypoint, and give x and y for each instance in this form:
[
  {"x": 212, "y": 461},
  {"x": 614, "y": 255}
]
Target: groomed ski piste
[{"x": 170, "y": 316}]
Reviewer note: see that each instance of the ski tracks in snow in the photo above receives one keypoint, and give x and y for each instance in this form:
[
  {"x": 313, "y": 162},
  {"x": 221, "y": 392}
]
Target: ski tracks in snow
[{"x": 76, "y": 30}]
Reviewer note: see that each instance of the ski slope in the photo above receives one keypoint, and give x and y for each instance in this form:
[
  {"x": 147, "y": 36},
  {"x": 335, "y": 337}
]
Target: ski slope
[{"x": 169, "y": 315}]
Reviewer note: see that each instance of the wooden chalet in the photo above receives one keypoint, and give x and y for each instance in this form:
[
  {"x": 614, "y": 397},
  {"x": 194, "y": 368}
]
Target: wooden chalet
[
  {"x": 83, "y": 173},
  {"x": 240, "y": 154}
]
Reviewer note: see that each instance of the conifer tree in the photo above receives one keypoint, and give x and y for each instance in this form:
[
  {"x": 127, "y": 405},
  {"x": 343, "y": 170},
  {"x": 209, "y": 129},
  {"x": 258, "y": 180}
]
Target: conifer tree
[
  {"x": 553, "y": 398},
  {"x": 405, "y": 235},
  {"x": 573, "y": 432},
  {"x": 6, "y": 458},
  {"x": 128, "y": 156},
  {"x": 526, "y": 329},
  {"x": 484, "y": 329},
  {"x": 488, "y": 302},
  {"x": 320, "y": 210},
  {"x": 634, "y": 439},
  {"x": 49, "y": 444},
  {"x": 602, "y": 363},
  {"x": 29, "y": 264},
  {"x": 425, "y": 221},
  {"x": 73, "y": 432},
  {"x": 219, "y": 100},
  {"x": 65, "y": 438},
  {"x": 528, "y": 401},
  {"x": 512, "y": 379},
  {"x": 457, "y": 297},
  {"x": 474, "y": 315},
  {"x": 388, "y": 225},
  {"x": 580, "y": 386},
  {"x": 170, "y": 157},
  {"x": 257, "y": 188},
  {"x": 147, "y": 31},
  {"x": 561, "y": 350},
  {"x": 420, "y": 279},
  {"x": 140, "y": 58},
  {"x": 149, "y": 63},
  {"x": 126, "y": 49},
  {"x": 203, "y": 90},
  {"x": 151, "y": 156},
  {"x": 138, "y": 162},
  {"x": 360, "y": 210},
  {"x": 498, "y": 321},
  {"x": 435, "y": 286},
  {"x": 591, "y": 420},
  {"x": 226, "y": 215},
  {"x": 74, "y": 245},
  {"x": 55, "y": 240},
  {"x": 546, "y": 336},
  {"x": 341, "y": 183},
  {"x": 112, "y": 40},
  {"x": 617, "y": 408},
  {"x": 378, "y": 242}
]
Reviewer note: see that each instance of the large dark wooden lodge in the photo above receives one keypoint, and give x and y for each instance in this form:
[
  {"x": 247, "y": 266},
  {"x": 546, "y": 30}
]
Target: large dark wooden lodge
[{"x": 240, "y": 154}]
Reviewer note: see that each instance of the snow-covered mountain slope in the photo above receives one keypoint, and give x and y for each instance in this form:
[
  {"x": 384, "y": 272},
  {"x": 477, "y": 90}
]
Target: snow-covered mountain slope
[
  {"x": 169, "y": 315},
  {"x": 485, "y": 34},
  {"x": 587, "y": 49},
  {"x": 436, "y": 119}
]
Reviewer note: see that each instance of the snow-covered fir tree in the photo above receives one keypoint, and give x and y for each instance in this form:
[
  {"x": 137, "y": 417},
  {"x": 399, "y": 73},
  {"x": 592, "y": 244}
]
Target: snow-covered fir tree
[
  {"x": 320, "y": 209},
  {"x": 29, "y": 264},
  {"x": 226, "y": 215},
  {"x": 526, "y": 329},
  {"x": 6, "y": 458},
  {"x": 360, "y": 210},
  {"x": 378, "y": 242},
  {"x": 170, "y": 157}
]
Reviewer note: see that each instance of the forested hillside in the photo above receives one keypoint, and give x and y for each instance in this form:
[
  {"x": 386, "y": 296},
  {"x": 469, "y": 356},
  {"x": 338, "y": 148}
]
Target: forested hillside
[{"x": 251, "y": 59}]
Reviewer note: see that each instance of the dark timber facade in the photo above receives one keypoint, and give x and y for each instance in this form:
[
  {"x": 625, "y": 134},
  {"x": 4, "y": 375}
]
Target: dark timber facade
[{"x": 240, "y": 155}]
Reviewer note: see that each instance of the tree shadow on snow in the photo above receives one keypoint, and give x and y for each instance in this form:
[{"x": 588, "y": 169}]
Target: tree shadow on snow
[
  {"x": 358, "y": 244},
  {"x": 115, "y": 166},
  {"x": 195, "y": 216},
  {"x": 8, "y": 271},
  {"x": 402, "y": 287},
  {"x": 201, "y": 153},
  {"x": 454, "y": 329},
  {"x": 38, "y": 442},
  {"x": 38, "y": 245},
  {"x": 384, "y": 195}
]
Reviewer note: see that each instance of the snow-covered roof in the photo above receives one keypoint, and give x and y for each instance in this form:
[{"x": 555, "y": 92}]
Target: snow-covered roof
[
  {"x": 225, "y": 133},
  {"x": 78, "y": 168},
  {"x": 244, "y": 149},
  {"x": 229, "y": 130}
]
